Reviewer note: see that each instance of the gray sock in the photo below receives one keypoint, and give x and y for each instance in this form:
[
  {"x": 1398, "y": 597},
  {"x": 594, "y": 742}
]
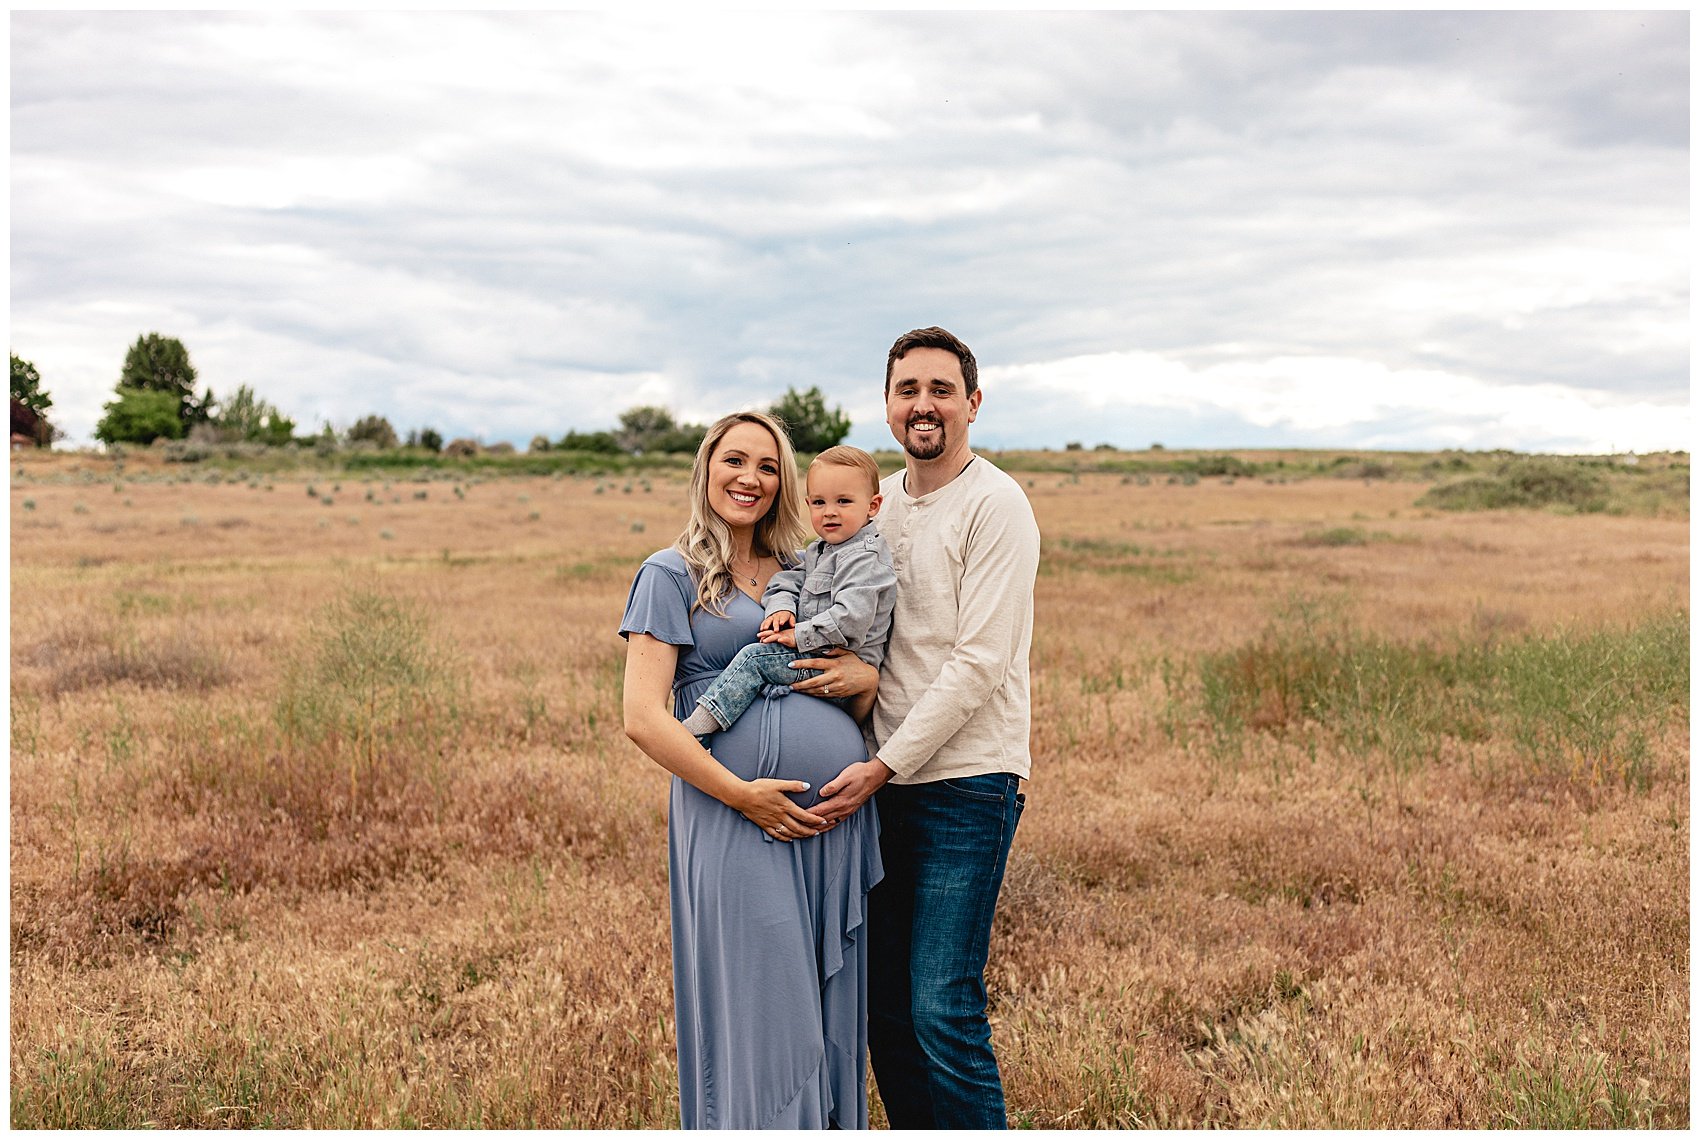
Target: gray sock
[{"x": 701, "y": 722}]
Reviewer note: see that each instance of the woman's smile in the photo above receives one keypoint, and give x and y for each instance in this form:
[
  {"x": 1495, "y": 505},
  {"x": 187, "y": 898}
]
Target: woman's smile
[{"x": 745, "y": 472}]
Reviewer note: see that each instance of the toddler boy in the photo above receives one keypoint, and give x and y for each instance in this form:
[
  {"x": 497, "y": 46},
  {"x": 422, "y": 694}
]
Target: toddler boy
[{"x": 842, "y": 595}]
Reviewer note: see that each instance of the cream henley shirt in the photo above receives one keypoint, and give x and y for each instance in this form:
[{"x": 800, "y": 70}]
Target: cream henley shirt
[{"x": 954, "y": 696}]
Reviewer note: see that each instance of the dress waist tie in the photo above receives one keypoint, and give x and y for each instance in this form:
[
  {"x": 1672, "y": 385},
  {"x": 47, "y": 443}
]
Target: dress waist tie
[
  {"x": 767, "y": 747},
  {"x": 767, "y": 750}
]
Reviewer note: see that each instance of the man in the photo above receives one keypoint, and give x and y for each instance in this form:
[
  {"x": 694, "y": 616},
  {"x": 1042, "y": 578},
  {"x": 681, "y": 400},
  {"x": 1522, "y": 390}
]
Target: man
[{"x": 950, "y": 740}]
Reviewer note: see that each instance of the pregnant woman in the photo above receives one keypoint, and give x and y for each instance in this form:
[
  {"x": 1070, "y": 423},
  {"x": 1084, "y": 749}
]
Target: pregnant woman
[{"x": 769, "y": 953}]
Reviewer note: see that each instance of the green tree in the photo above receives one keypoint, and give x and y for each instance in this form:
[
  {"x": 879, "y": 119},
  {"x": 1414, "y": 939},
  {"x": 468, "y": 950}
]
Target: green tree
[
  {"x": 653, "y": 429},
  {"x": 811, "y": 426},
  {"x": 684, "y": 438},
  {"x": 277, "y": 430},
  {"x": 26, "y": 386},
  {"x": 30, "y": 404},
  {"x": 161, "y": 364},
  {"x": 139, "y": 416},
  {"x": 246, "y": 417},
  {"x": 644, "y": 428},
  {"x": 429, "y": 438},
  {"x": 374, "y": 428},
  {"x": 600, "y": 442}
]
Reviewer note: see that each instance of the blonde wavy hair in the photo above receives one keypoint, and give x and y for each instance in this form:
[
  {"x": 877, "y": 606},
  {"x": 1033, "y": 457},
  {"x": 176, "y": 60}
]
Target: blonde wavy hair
[{"x": 706, "y": 541}]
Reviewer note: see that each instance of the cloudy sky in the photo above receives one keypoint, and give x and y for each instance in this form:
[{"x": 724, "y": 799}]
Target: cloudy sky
[{"x": 1392, "y": 230}]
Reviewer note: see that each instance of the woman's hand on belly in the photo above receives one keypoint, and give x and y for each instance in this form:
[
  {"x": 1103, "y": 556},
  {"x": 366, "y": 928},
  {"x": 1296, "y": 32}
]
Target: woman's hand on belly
[{"x": 766, "y": 804}]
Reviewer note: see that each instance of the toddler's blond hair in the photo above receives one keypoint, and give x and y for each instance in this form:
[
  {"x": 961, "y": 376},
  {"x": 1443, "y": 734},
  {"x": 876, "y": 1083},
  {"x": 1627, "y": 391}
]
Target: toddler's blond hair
[{"x": 846, "y": 456}]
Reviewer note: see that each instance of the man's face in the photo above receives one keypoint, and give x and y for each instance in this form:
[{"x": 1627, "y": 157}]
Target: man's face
[{"x": 928, "y": 407}]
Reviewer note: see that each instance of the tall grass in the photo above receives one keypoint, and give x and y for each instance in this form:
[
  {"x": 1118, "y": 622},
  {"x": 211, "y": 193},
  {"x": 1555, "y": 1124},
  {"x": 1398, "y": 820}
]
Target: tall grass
[
  {"x": 100, "y": 653},
  {"x": 396, "y": 865},
  {"x": 1572, "y": 703},
  {"x": 376, "y": 693}
]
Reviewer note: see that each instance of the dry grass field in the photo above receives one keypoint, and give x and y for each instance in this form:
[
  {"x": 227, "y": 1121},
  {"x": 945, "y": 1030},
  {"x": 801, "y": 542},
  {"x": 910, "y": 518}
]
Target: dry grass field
[{"x": 1345, "y": 812}]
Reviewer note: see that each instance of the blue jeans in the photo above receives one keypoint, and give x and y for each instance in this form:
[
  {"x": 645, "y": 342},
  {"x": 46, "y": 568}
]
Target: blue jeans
[
  {"x": 756, "y": 664},
  {"x": 944, "y": 845}
]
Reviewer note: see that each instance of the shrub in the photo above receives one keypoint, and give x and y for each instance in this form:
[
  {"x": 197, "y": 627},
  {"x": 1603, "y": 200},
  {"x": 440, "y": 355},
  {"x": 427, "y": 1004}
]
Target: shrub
[
  {"x": 1364, "y": 469},
  {"x": 1525, "y": 484},
  {"x": 140, "y": 416},
  {"x": 595, "y": 442},
  {"x": 374, "y": 694},
  {"x": 98, "y": 656},
  {"x": 1207, "y": 466},
  {"x": 427, "y": 438},
  {"x": 375, "y": 430},
  {"x": 1335, "y": 536}
]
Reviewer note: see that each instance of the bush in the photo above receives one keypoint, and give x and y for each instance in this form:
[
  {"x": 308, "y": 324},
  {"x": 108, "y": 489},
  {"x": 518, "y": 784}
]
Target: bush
[
  {"x": 97, "y": 657},
  {"x": 374, "y": 429},
  {"x": 1208, "y": 466},
  {"x": 595, "y": 442},
  {"x": 243, "y": 416},
  {"x": 1526, "y": 484},
  {"x": 652, "y": 429},
  {"x": 1540, "y": 483},
  {"x": 139, "y": 415},
  {"x": 1364, "y": 469},
  {"x": 1335, "y": 536},
  {"x": 374, "y": 694}
]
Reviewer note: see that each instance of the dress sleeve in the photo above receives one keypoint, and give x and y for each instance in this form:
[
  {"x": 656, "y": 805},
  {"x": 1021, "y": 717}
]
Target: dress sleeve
[{"x": 660, "y": 605}]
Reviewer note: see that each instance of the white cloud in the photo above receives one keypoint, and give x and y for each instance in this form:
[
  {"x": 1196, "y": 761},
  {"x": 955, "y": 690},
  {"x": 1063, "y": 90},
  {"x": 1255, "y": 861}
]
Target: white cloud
[
  {"x": 570, "y": 213},
  {"x": 1345, "y": 401}
]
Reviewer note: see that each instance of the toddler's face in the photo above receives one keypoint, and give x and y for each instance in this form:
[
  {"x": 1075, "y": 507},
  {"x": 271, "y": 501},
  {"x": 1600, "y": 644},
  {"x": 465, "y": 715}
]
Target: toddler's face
[{"x": 840, "y": 501}]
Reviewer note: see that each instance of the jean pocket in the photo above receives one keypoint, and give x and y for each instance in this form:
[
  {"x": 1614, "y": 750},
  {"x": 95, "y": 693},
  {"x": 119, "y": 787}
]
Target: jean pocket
[{"x": 990, "y": 788}]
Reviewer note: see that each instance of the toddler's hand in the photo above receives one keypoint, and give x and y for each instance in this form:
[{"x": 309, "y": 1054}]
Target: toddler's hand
[{"x": 784, "y": 619}]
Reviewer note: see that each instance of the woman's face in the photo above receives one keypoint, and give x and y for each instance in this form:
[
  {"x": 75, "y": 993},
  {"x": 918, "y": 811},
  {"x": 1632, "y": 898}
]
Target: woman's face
[{"x": 743, "y": 475}]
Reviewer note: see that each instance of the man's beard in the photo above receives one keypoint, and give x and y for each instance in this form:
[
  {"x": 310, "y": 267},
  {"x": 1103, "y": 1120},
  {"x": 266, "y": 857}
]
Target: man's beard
[{"x": 929, "y": 446}]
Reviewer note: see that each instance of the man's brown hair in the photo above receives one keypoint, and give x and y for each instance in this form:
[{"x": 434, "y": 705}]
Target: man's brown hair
[{"x": 934, "y": 337}]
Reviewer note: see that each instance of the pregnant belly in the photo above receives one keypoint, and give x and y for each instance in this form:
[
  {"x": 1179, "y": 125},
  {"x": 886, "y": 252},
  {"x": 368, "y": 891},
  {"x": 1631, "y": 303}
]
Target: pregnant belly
[{"x": 815, "y": 741}]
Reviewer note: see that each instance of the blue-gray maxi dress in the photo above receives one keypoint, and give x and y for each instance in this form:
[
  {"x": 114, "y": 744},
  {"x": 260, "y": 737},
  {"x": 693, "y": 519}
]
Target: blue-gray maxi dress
[{"x": 769, "y": 960}]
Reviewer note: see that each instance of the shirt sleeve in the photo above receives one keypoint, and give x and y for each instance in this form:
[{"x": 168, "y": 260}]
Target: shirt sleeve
[
  {"x": 782, "y": 590},
  {"x": 660, "y": 604},
  {"x": 864, "y": 589},
  {"x": 1000, "y": 564}
]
